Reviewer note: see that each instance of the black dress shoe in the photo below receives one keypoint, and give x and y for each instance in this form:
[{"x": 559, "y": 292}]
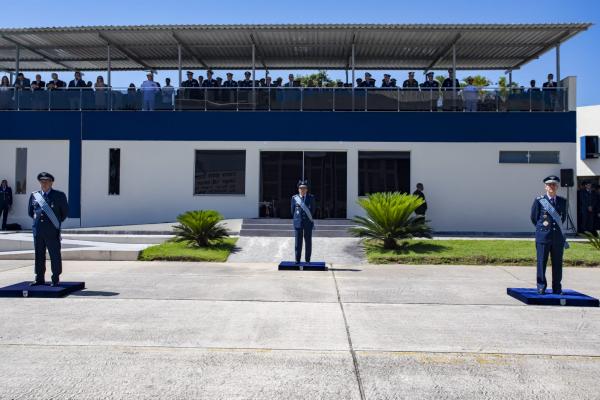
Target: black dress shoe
[
  {"x": 35, "y": 283},
  {"x": 541, "y": 291},
  {"x": 558, "y": 292},
  {"x": 55, "y": 284}
]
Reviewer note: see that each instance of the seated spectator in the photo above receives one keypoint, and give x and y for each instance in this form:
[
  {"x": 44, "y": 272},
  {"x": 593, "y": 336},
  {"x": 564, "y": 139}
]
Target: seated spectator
[
  {"x": 21, "y": 82},
  {"x": 470, "y": 95},
  {"x": 149, "y": 90},
  {"x": 411, "y": 82}
]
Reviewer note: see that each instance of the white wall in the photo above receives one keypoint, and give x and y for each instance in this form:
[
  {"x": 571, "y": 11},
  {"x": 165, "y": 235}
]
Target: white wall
[
  {"x": 42, "y": 155},
  {"x": 588, "y": 124},
  {"x": 467, "y": 188}
]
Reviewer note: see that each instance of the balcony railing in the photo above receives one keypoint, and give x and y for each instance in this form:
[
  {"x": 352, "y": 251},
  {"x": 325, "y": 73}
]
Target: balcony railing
[{"x": 285, "y": 99}]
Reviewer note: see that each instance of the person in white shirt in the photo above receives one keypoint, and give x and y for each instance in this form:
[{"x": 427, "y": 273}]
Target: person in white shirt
[
  {"x": 470, "y": 95},
  {"x": 149, "y": 89}
]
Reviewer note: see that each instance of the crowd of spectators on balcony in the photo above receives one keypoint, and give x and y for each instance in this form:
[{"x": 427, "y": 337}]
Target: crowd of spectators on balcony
[{"x": 150, "y": 91}]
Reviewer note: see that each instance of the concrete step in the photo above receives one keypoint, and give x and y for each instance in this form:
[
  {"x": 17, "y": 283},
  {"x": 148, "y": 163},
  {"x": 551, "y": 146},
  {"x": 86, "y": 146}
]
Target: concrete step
[
  {"x": 279, "y": 221},
  {"x": 127, "y": 239},
  {"x": 81, "y": 255}
]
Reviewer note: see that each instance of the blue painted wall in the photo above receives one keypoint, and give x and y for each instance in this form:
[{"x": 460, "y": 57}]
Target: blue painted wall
[{"x": 280, "y": 126}]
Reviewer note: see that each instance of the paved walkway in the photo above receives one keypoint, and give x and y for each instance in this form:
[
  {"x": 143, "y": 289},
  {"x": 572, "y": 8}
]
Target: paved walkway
[{"x": 247, "y": 331}]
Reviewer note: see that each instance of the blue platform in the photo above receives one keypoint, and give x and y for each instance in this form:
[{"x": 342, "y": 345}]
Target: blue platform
[
  {"x": 303, "y": 266},
  {"x": 23, "y": 289},
  {"x": 567, "y": 298}
]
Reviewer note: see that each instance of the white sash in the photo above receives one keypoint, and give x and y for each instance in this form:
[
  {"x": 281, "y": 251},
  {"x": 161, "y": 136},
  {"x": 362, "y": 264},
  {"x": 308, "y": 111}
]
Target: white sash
[{"x": 299, "y": 201}]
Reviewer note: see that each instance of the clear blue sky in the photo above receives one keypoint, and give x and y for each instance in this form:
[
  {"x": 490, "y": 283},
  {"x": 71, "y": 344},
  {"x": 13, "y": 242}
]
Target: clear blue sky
[{"x": 580, "y": 56}]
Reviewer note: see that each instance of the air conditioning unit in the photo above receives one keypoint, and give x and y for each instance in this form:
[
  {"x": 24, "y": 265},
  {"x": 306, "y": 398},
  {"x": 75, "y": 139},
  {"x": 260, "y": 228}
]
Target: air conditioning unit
[{"x": 590, "y": 147}]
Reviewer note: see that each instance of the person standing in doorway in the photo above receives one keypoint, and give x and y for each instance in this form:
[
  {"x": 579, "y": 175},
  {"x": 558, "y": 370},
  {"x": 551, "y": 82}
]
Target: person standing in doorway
[
  {"x": 419, "y": 193},
  {"x": 6, "y": 200},
  {"x": 302, "y": 212}
]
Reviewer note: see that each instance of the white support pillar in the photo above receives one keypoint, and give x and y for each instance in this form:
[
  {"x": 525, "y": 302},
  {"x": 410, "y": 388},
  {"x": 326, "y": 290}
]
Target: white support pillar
[{"x": 179, "y": 76}]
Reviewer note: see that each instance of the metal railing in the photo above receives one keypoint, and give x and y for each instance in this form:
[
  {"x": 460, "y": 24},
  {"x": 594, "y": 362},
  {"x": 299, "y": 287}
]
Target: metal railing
[{"x": 285, "y": 99}]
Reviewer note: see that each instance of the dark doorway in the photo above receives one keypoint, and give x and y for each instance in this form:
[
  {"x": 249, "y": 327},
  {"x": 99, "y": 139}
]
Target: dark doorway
[{"x": 325, "y": 171}]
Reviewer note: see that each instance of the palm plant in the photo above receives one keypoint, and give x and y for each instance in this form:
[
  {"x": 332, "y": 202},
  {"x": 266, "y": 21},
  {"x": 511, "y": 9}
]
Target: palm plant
[
  {"x": 389, "y": 218},
  {"x": 594, "y": 239},
  {"x": 200, "y": 228}
]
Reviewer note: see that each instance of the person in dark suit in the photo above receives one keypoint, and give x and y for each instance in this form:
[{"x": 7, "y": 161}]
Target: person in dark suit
[
  {"x": 588, "y": 203},
  {"x": 21, "y": 82},
  {"x": 55, "y": 83},
  {"x": 548, "y": 213},
  {"x": 303, "y": 205},
  {"x": 419, "y": 193},
  {"x": 48, "y": 208},
  {"x": 6, "y": 200},
  {"x": 77, "y": 82}
]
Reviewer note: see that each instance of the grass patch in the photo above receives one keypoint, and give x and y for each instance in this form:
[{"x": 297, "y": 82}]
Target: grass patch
[
  {"x": 476, "y": 252},
  {"x": 181, "y": 251}
]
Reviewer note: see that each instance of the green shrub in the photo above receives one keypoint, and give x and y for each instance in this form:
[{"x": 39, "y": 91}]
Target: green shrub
[
  {"x": 390, "y": 217},
  {"x": 200, "y": 228},
  {"x": 593, "y": 239}
]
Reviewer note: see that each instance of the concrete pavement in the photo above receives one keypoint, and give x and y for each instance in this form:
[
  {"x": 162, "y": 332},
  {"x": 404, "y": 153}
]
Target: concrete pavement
[{"x": 247, "y": 331}]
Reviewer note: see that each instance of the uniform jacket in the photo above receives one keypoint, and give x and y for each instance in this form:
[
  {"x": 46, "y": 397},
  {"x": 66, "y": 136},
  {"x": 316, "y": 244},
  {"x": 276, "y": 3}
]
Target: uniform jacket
[
  {"x": 301, "y": 220},
  {"x": 57, "y": 200},
  {"x": 6, "y": 198},
  {"x": 587, "y": 199},
  {"x": 546, "y": 229},
  {"x": 77, "y": 84}
]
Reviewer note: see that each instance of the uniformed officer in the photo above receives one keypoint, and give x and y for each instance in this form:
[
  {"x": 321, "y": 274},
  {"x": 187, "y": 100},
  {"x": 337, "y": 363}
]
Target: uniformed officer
[
  {"x": 6, "y": 200},
  {"x": 209, "y": 81},
  {"x": 247, "y": 82},
  {"x": 386, "y": 82},
  {"x": 411, "y": 82},
  {"x": 303, "y": 205},
  {"x": 48, "y": 208},
  {"x": 548, "y": 213},
  {"x": 429, "y": 81},
  {"x": 229, "y": 82}
]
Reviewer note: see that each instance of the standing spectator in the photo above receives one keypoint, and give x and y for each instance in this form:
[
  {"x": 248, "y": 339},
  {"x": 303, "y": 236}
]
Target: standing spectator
[
  {"x": 209, "y": 81},
  {"x": 447, "y": 84},
  {"x": 39, "y": 99},
  {"x": 189, "y": 86},
  {"x": 132, "y": 98},
  {"x": 77, "y": 81},
  {"x": 247, "y": 82},
  {"x": 55, "y": 83},
  {"x": 419, "y": 193},
  {"x": 101, "y": 94},
  {"x": 411, "y": 82},
  {"x": 386, "y": 82},
  {"x": 21, "y": 82},
  {"x": 470, "y": 95},
  {"x": 290, "y": 81},
  {"x": 5, "y": 94},
  {"x": 167, "y": 94},
  {"x": 230, "y": 82},
  {"x": 549, "y": 87},
  {"x": 588, "y": 204},
  {"x": 449, "y": 90},
  {"x": 38, "y": 83},
  {"x": 76, "y": 86},
  {"x": 5, "y": 201},
  {"x": 149, "y": 90}
]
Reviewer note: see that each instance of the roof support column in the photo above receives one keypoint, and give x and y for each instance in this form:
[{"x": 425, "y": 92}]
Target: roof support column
[
  {"x": 558, "y": 64},
  {"x": 179, "y": 65},
  {"x": 454, "y": 77},
  {"x": 17, "y": 60},
  {"x": 253, "y": 76},
  {"x": 510, "y": 78},
  {"x": 108, "y": 66},
  {"x": 353, "y": 72}
]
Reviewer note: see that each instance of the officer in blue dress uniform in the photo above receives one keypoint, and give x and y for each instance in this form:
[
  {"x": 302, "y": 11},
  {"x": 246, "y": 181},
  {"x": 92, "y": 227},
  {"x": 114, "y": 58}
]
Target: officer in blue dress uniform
[
  {"x": 45, "y": 234},
  {"x": 549, "y": 237},
  {"x": 303, "y": 220}
]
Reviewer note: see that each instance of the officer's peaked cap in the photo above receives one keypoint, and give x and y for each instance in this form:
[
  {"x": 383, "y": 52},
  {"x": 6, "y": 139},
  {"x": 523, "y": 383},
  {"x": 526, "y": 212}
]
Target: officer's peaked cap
[
  {"x": 552, "y": 179},
  {"x": 302, "y": 183},
  {"x": 45, "y": 176}
]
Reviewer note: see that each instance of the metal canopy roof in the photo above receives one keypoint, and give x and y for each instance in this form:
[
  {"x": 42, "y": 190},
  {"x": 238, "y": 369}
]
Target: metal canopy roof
[{"x": 328, "y": 46}]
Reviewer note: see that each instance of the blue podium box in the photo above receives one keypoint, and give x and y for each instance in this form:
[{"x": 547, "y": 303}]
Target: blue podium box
[
  {"x": 567, "y": 298},
  {"x": 23, "y": 289},
  {"x": 302, "y": 266}
]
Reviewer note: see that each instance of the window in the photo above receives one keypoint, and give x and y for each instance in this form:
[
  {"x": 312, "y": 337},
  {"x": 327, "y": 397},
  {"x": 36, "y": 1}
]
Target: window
[
  {"x": 220, "y": 172},
  {"x": 114, "y": 171},
  {"x": 530, "y": 157},
  {"x": 21, "y": 171},
  {"x": 383, "y": 171}
]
